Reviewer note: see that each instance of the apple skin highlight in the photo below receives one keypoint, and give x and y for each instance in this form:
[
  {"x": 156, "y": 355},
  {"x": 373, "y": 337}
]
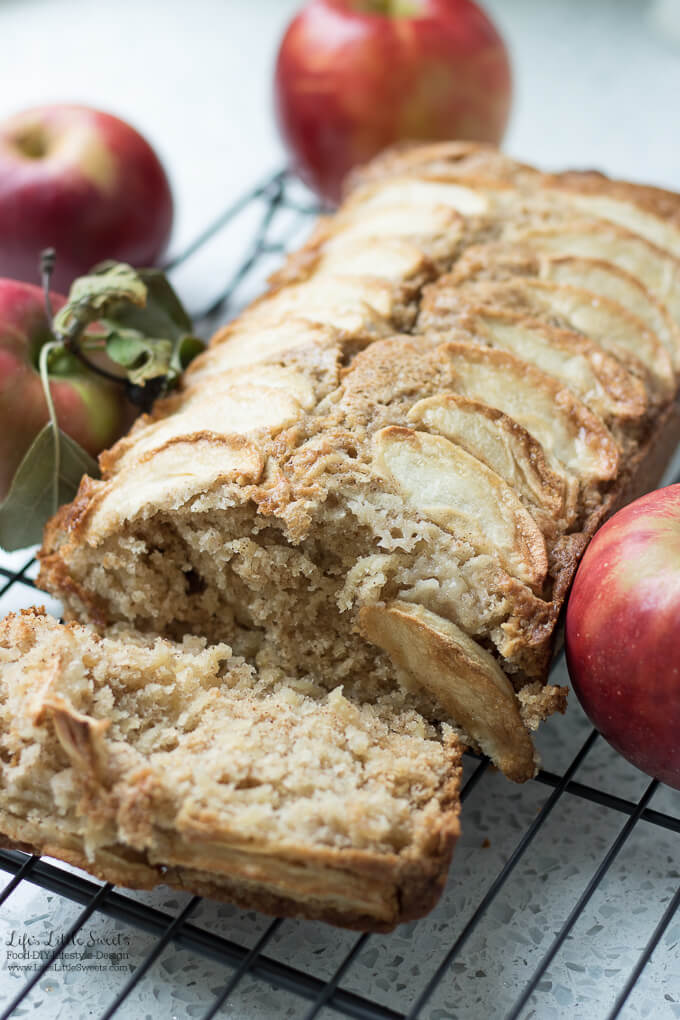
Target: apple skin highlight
[{"x": 623, "y": 633}]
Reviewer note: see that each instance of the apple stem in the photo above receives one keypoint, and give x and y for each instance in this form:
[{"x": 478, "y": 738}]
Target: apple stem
[
  {"x": 45, "y": 352},
  {"x": 48, "y": 257}
]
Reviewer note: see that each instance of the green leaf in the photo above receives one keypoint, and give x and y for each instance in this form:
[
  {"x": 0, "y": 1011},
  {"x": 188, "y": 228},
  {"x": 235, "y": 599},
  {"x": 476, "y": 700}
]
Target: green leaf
[
  {"x": 188, "y": 348},
  {"x": 162, "y": 295},
  {"x": 155, "y": 362},
  {"x": 97, "y": 295},
  {"x": 35, "y": 492},
  {"x": 163, "y": 319},
  {"x": 138, "y": 316},
  {"x": 125, "y": 346}
]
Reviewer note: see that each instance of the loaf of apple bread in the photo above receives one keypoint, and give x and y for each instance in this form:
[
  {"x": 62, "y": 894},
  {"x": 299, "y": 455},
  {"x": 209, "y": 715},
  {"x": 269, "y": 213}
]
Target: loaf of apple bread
[{"x": 374, "y": 488}]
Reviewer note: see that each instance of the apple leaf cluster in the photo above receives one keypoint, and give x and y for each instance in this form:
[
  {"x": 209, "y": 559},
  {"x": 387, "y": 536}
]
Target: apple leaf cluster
[
  {"x": 132, "y": 318},
  {"x": 137, "y": 317}
]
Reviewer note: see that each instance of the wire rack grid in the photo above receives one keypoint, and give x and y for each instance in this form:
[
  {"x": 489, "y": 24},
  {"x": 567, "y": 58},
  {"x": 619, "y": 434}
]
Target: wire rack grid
[{"x": 512, "y": 936}]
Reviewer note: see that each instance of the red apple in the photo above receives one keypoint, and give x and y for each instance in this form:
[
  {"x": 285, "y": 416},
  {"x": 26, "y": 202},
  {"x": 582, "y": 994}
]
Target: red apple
[
  {"x": 623, "y": 633},
  {"x": 91, "y": 410},
  {"x": 83, "y": 182},
  {"x": 354, "y": 76}
]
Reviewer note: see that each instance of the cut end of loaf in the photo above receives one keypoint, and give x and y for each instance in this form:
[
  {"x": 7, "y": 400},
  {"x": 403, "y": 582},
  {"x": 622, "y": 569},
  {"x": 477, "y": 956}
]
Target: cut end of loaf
[
  {"x": 151, "y": 754},
  {"x": 285, "y": 589}
]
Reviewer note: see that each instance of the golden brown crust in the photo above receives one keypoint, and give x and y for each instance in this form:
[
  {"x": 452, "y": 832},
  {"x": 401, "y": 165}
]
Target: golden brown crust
[
  {"x": 438, "y": 159},
  {"x": 657, "y": 201},
  {"x": 451, "y": 160},
  {"x": 624, "y": 319},
  {"x": 481, "y": 314},
  {"x": 413, "y": 894},
  {"x": 587, "y": 449},
  {"x": 503, "y": 444},
  {"x": 407, "y": 892}
]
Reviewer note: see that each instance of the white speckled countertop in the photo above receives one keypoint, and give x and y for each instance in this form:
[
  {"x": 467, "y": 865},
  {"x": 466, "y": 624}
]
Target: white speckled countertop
[{"x": 597, "y": 85}]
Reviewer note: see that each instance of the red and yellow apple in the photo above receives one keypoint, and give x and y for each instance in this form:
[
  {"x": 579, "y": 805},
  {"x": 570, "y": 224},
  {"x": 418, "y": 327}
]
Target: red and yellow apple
[
  {"x": 354, "y": 76},
  {"x": 82, "y": 182},
  {"x": 91, "y": 410},
  {"x": 623, "y": 633}
]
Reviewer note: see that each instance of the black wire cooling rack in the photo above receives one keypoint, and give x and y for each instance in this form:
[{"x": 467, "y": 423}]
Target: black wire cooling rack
[{"x": 272, "y": 217}]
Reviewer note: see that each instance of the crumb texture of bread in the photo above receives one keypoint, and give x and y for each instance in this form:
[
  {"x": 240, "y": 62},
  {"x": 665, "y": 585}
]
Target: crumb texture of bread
[
  {"x": 179, "y": 755},
  {"x": 359, "y": 515}
]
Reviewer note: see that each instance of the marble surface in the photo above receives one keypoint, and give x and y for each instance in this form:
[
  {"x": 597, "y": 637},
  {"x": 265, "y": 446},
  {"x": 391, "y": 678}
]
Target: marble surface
[{"x": 597, "y": 84}]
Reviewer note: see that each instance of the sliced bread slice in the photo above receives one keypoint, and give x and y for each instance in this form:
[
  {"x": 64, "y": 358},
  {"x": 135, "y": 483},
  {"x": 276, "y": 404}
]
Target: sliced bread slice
[{"x": 147, "y": 761}]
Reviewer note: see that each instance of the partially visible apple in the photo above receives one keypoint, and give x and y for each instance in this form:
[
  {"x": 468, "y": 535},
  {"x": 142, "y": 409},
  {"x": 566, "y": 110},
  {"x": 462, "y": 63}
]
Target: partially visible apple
[
  {"x": 623, "y": 633},
  {"x": 91, "y": 410},
  {"x": 82, "y": 182},
  {"x": 354, "y": 76}
]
